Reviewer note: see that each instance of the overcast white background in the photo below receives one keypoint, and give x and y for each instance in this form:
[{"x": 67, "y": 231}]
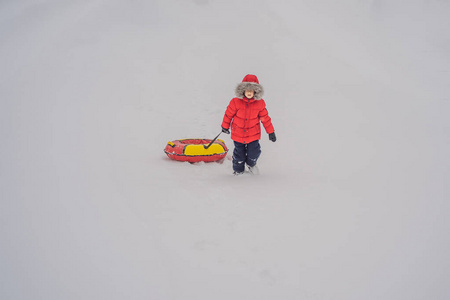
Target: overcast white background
[{"x": 353, "y": 198}]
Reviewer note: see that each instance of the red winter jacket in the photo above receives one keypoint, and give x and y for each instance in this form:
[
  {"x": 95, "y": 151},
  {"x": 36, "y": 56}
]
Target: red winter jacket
[{"x": 244, "y": 116}]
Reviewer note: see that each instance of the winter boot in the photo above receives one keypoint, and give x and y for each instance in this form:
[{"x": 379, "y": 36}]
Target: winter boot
[{"x": 253, "y": 170}]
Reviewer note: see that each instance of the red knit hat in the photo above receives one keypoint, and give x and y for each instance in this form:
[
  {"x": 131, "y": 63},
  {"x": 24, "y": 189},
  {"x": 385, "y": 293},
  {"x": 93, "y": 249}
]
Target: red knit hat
[{"x": 250, "y": 78}]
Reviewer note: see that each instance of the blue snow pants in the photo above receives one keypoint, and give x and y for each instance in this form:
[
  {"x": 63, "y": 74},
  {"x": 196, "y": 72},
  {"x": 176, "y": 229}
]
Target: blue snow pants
[{"x": 245, "y": 154}]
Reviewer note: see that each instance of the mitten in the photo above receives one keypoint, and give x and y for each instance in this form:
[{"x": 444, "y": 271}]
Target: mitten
[
  {"x": 224, "y": 130},
  {"x": 272, "y": 137}
]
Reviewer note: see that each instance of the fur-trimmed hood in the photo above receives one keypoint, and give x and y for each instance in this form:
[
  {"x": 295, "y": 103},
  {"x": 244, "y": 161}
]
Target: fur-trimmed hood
[{"x": 250, "y": 82}]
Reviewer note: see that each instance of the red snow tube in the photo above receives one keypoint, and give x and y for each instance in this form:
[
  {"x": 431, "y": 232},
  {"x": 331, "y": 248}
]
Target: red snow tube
[{"x": 193, "y": 150}]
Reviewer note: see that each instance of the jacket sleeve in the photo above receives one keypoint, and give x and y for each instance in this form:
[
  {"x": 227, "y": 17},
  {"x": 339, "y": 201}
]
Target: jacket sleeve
[
  {"x": 266, "y": 120},
  {"x": 229, "y": 115}
]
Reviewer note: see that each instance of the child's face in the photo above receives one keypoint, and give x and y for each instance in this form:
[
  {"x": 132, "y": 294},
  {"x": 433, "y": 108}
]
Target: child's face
[{"x": 249, "y": 94}]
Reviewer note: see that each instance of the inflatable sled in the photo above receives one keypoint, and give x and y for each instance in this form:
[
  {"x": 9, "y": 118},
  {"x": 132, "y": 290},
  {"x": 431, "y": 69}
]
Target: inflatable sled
[{"x": 194, "y": 150}]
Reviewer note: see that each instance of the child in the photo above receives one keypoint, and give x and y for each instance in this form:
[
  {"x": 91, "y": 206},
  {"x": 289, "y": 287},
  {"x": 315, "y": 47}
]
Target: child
[{"x": 244, "y": 113}]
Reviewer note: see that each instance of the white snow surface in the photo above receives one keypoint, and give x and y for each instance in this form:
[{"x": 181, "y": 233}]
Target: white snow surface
[{"x": 353, "y": 198}]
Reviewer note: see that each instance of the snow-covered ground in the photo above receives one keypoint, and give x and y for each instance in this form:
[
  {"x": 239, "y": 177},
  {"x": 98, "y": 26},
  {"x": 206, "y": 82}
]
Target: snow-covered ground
[{"x": 353, "y": 198}]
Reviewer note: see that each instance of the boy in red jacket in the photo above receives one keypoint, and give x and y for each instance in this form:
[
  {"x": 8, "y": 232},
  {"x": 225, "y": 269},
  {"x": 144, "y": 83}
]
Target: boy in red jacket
[{"x": 244, "y": 114}]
